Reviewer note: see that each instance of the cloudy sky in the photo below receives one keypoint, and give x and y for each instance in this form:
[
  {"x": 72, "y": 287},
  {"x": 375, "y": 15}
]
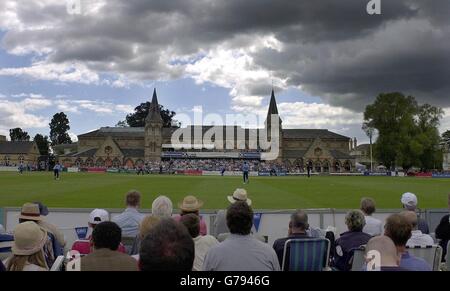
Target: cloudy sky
[{"x": 326, "y": 59}]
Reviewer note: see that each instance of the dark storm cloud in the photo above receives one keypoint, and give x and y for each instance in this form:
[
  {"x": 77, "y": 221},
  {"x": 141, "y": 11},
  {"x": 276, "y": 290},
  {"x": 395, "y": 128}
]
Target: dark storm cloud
[{"x": 330, "y": 48}]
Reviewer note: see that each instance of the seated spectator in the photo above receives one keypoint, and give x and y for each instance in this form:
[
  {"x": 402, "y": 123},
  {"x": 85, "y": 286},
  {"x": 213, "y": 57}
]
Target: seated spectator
[
  {"x": 106, "y": 238},
  {"x": 389, "y": 258},
  {"x": 167, "y": 247},
  {"x": 220, "y": 223},
  {"x": 52, "y": 248},
  {"x": 409, "y": 201},
  {"x": 6, "y": 242},
  {"x": 28, "y": 248},
  {"x": 373, "y": 226},
  {"x": 350, "y": 240},
  {"x": 130, "y": 219},
  {"x": 298, "y": 226},
  {"x": 202, "y": 242},
  {"x": 241, "y": 251},
  {"x": 191, "y": 204},
  {"x": 417, "y": 237},
  {"x": 443, "y": 232},
  {"x": 97, "y": 216},
  {"x": 399, "y": 230},
  {"x": 162, "y": 207},
  {"x": 43, "y": 210},
  {"x": 147, "y": 224}
]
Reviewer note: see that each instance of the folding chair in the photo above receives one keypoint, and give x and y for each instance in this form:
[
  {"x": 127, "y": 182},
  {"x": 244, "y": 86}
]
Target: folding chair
[
  {"x": 358, "y": 259},
  {"x": 431, "y": 254},
  {"x": 57, "y": 265},
  {"x": 306, "y": 254}
]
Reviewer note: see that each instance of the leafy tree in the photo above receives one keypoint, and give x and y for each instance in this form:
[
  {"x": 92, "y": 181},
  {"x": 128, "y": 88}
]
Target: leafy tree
[
  {"x": 446, "y": 137},
  {"x": 407, "y": 132},
  {"x": 42, "y": 143},
  {"x": 59, "y": 127},
  {"x": 137, "y": 118},
  {"x": 17, "y": 134}
]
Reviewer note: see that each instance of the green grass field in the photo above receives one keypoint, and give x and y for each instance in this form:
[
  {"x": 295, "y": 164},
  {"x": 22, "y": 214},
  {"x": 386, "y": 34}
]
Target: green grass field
[{"x": 80, "y": 190}]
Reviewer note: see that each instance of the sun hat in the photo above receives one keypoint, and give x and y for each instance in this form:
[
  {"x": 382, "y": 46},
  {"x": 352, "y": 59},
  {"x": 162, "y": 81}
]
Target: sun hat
[
  {"x": 29, "y": 239},
  {"x": 409, "y": 200},
  {"x": 98, "y": 215},
  {"x": 30, "y": 211},
  {"x": 239, "y": 195},
  {"x": 190, "y": 203}
]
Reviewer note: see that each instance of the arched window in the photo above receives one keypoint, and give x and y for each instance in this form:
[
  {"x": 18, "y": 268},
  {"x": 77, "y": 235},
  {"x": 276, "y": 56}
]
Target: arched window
[
  {"x": 99, "y": 163},
  {"x": 318, "y": 167},
  {"x": 108, "y": 162},
  {"x": 89, "y": 162},
  {"x": 337, "y": 167},
  {"x": 129, "y": 163},
  {"x": 326, "y": 167},
  {"x": 116, "y": 163},
  {"x": 348, "y": 166},
  {"x": 21, "y": 159},
  {"x": 79, "y": 162}
]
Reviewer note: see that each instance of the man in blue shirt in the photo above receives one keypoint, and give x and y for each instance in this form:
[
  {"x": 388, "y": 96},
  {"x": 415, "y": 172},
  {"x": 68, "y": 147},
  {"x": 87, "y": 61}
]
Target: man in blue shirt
[
  {"x": 399, "y": 229},
  {"x": 245, "y": 169},
  {"x": 56, "y": 170}
]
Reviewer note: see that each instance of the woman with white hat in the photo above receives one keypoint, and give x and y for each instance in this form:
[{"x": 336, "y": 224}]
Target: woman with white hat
[{"x": 28, "y": 254}]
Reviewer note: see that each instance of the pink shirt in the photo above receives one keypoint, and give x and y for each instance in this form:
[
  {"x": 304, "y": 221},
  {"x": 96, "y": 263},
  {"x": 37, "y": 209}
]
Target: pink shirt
[
  {"x": 84, "y": 247},
  {"x": 203, "y": 229}
]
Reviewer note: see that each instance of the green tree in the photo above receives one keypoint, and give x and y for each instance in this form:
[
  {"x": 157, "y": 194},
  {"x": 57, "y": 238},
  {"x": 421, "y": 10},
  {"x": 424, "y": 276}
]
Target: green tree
[
  {"x": 17, "y": 134},
  {"x": 137, "y": 118},
  {"x": 59, "y": 127},
  {"x": 392, "y": 115},
  {"x": 407, "y": 132},
  {"x": 122, "y": 123},
  {"x": 42, "y": 143}
]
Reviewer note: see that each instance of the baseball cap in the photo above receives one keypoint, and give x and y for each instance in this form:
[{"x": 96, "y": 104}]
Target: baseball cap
[
  {"x": 98, "y": 215},
  {"x": 409, "y": 199}
]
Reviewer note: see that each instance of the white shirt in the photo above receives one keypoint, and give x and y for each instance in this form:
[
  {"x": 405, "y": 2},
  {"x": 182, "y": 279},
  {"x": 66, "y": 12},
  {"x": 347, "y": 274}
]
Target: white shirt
[
  {"x": 419, "y": 239},
  {"x": 373, "y": 226},
  {"x": 202, "y": 246},
  {"x": 241, "y": 253}
]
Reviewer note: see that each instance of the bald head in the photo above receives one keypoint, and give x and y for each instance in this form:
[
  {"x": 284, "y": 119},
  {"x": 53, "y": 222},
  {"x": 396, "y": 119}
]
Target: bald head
[
  {"x": 386, "y": 247},
  {"x": 411, "y": 217},
  {"x": 299, "y": 221}
]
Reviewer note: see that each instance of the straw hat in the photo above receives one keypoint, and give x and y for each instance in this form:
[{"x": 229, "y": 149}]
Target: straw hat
[
  {"x": 240, "y": 195},
  {"x": 190, "y": 203},
  {"x": 30, "y": 211},
  {"x": 29, "y": 239}
]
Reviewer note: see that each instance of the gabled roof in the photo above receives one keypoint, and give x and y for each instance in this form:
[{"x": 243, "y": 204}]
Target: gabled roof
[
  {"x": 88, "y": 153},
  {"x": 16, "y": 147},
  {"x": 340, "y": 155},
  {"x": 312, "y": 133},
  {"x": 115, "y": 132}
]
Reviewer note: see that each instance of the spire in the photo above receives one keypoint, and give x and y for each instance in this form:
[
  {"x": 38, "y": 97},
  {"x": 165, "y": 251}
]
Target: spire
[
  {"x": 273, "y": 104},
  {"x": 154, "y": 114},
  {"x": 273, "y": 109}
]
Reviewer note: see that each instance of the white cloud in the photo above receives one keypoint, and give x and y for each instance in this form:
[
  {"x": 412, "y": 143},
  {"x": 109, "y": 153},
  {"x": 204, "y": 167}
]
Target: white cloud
[
  {"x": 317, "y": 115},
  {"x": 73, "y": 136},
  {"x": 64, "y": 72},
  {"x": 33, "y": 104},
  {"x": 14, "y": 114}
]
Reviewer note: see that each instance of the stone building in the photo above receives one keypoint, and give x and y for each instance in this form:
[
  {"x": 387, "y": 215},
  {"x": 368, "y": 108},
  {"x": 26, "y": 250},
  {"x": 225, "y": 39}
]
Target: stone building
[
  {"x": 14, "y": 153},
  {"x": 134, "y": 146}
]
